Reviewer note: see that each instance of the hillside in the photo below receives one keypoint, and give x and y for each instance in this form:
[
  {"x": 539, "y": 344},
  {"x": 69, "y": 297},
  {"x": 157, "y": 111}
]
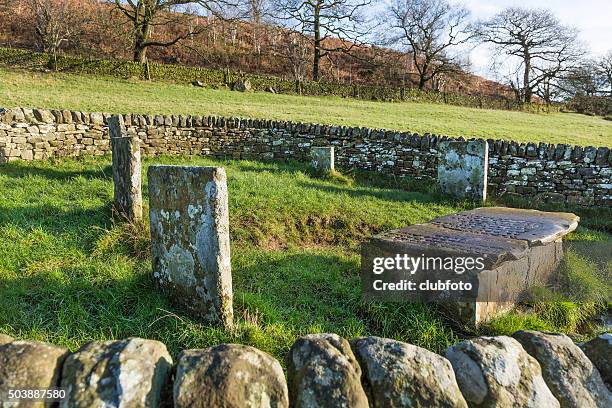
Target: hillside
[
  {"x": 89, "y": 93},
  {"x": 235, "y": 46}
]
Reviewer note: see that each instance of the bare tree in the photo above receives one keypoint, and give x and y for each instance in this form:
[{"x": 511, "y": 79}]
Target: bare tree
[
  {"x": 296, "y": 51},
  {"x": 429, "y": 30},
  {"x": 259, "y": 13},
  {"x": 581, "y": 80},
  {"x": 331, "y": 25},
  {"x": 147, "y": 14},
  {"x": 603, "y": 67},
  {"x": 543, "y": 47},
  {"x": 55, "y": 23},
  {"x": 259, "y": 10}
]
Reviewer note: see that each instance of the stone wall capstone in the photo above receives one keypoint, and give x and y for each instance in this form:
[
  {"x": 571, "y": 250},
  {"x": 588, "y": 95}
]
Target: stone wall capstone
[
  {"x": 323, "y": 370},
  {"x": 557, "y": 173}
]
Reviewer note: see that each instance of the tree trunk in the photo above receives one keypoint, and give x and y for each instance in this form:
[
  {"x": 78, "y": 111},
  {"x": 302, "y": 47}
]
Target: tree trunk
[
  {"x": 422, "y": 82},
  {"x": 526, "y": 86},
  {"x": 140, "y": 52},
  {"x": 142, "y": 29},
  {"x": 317, "y": 42}
]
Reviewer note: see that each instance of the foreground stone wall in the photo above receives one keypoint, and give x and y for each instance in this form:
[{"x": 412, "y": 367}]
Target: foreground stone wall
[
  {"x": 558, "y": 173},
  {"x": 529, "y": 369}
]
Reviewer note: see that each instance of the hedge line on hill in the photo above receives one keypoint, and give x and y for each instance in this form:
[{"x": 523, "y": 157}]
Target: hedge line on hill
[{"x": 219, "y": 78}]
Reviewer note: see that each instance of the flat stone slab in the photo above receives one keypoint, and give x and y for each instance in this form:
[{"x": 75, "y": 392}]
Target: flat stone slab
[
  {"x": 509, "y": 250},
  {"x": 436, "y": 240},
  {"x": 535, "y": 227}
]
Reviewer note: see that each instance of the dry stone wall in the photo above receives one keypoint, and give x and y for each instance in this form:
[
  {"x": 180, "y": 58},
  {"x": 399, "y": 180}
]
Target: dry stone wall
[
  {"x": 548, "y": 172},
  {"x": 323, "y": 370}
]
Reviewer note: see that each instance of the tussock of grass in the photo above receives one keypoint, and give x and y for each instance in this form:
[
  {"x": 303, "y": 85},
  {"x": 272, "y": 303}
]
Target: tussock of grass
[
  {"x": 582, "y": 293},
  {"x": 576, "y": 319}
]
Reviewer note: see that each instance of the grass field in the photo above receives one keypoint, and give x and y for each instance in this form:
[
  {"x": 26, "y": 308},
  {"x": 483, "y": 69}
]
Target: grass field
[
  {"x": 70, "y": 274},
  {"x": 88, "y": 93}
]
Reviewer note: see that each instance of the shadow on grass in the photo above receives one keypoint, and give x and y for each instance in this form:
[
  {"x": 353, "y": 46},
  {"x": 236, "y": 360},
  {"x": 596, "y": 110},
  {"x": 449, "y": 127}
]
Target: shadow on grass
[
  {"x": 382, "y": 194},
  {"x": 277, "y": 297},
  {"x": 76, "y": 225},
  {"x": 361, "y": 178},
  {"x": 76, "y": 304},
  {"x": 19, "y": 170}
]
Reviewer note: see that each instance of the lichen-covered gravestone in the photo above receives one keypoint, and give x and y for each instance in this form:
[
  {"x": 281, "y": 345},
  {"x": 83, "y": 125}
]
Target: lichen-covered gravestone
[
  {"x": 323, "y": 158},
  {"x": 126, "y": 170},
  {"x": 462, "y": 168},
  {"x": 190, "y": 239}
]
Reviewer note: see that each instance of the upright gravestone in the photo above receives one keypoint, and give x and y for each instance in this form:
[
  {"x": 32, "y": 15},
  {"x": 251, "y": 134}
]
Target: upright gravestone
[
  {"x": 462, "y": 168},
  {"x": 190, "y": 239},
  {"x": 323, "y": 158},
  {"x": 126, "y": 169}
]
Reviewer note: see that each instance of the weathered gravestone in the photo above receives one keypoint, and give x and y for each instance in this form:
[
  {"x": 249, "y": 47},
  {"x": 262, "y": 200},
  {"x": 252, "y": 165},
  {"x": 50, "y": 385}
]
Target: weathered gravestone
[
  {"x": 462, "y": 168},
  {"x": 322, "y": 158},
  {"x": 500, "y": 252},
  {"x": 190, "y": 239},
  {"x": 126, "y": 170}
]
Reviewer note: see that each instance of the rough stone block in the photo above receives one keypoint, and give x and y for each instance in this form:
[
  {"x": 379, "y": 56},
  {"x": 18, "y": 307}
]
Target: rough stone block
[
  {"x": 29, "y": 365},
  {"x": 462, "y": 169},
  {"x": 229, "y": 375},
  {"x": 322, "y": 371},
  {"x": 190, "y": 239},
  {"x": 5, "y": 339},
  {"x": 125, "y": 373},
  {"x": 43, "y": 115},
  {"x": 570, "y": 375},
  {"x": 397, "y": 374},
  {"x": 599, "y": 351},
  {"x": 519, "y": 249},
  {"x": 323, "y": 158},
  {"x": 126, "y": 170},
  {"x": 497, "y": 372}
]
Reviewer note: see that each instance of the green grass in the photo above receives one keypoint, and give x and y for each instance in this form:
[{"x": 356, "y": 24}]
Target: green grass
[
  {"x": 89, "y": 93},
  {"x": 69, "y": 274}
]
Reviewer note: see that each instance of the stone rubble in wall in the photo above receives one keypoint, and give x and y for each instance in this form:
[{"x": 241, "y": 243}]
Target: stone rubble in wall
[
  {"x": 530, "y": 369},
  {"x": 545, "y": 172}
]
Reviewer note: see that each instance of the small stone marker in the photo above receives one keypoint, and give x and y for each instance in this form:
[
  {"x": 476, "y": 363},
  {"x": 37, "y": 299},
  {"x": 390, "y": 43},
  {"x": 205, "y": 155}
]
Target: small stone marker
[
  {"x": 462, "y": 168},
  {"x": 190, "y": 239},
  {"x": 323, "y": 158},
  {"x": 126, "y": 170}
]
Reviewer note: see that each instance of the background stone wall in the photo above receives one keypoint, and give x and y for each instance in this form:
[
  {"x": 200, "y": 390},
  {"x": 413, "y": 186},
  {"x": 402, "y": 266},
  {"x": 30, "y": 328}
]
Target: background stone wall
[{"x": 548, "y": 172}]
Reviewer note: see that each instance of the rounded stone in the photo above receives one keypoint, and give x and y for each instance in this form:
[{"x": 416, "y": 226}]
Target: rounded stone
[
  {"x": 5, "y": 339},
  {"x": 569, "y": 373},
  {"x": 323, "y": 372},
  {"x": 496, "y": 371},
  {"x": 125, "y": 373},
  {"x": 599, "y": 351},
  {"x": 397, "y": 374},
  {"x": 231, "y": 376},
  {"x": 30, "y": 365}
]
